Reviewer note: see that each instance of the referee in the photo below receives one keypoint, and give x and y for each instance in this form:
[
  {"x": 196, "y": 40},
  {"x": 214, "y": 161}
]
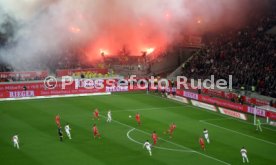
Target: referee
[{"x": 60, "y": 134}]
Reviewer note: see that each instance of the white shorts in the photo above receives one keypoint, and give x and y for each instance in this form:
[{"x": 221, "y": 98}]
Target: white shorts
[
  {"x": 206, "y": 136},
  {"x": 148, "y": 148},
  {"x": 244, "y": 155}
]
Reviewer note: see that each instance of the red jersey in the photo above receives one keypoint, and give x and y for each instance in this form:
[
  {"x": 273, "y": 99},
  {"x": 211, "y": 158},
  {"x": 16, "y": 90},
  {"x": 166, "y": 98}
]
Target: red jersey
[
  {"x": 201, "y": 141},
  {"x": 57, "y": 119},
  {"x": 154, "y": 136},
  {"x": 137, "y": 117},
  {"x": 96, "y": 113},
  {"x": 95, "y": 129},
  {"x": 172, "y": 127}
]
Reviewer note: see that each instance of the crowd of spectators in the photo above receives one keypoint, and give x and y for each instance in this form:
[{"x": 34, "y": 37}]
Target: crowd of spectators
[{"x": 249, "y": 54}]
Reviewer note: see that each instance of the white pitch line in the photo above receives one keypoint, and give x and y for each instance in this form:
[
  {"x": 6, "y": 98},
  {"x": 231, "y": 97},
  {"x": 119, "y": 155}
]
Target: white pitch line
[
  {"x": 218, "y": 114},
  {"x": 224, "y": 118},
  {"x": 181, "y": 146},
  {"x": 230, "y": 118},
  {"x": 146, "y": 109},
  {"x": 216, "y": 119},
  {"x": 162, "y": 148},
  {"x": 269, "y": 142}
]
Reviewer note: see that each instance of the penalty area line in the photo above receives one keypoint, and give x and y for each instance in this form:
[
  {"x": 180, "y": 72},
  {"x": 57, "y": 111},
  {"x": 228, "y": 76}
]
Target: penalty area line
[
  {"x": 147, "y": 109},
  {"x": 162, "y": 148},
  {"x": 181, "y": 146},
  {"x": 230, "y": 130}
]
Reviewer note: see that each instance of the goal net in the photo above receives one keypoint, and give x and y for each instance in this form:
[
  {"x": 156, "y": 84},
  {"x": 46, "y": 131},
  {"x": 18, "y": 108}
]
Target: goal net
[{"x": 262, "y": 119}]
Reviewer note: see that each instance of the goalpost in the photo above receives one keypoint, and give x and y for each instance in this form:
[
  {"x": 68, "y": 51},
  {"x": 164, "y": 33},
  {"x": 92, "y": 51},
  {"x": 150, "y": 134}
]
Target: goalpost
[{"x": 264, "y": 120}]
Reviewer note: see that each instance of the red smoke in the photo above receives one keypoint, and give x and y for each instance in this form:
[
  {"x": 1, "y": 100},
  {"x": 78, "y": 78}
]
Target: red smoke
[
  {"x": 136, "y": 36},
  {"x": 98, "y": 27}
]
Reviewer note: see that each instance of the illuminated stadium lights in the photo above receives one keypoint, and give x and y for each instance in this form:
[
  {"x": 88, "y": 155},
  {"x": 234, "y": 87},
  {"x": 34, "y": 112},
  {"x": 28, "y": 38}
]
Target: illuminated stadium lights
[
  {"x": 103, "y": 52},
  {"x": 149, "y": 50}
]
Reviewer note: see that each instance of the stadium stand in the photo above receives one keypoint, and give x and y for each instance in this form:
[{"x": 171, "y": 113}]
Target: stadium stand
[{"x": 248, "y": 54}]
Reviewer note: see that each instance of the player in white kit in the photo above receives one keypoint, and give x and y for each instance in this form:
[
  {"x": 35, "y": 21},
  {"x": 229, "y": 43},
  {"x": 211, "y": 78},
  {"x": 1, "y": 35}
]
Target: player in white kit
[
  {"x": 109, "y": 118},
  {"x": 148, "y": 147},
  {"x": 67, "y": 130},
  {"x": 244, "y": 155},
  {"x": 15, "y": 140},
  {"x": 206, "y": 135}
]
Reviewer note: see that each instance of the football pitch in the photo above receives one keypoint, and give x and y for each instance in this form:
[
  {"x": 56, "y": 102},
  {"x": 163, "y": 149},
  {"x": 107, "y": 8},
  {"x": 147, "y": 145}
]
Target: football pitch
[{"x": 122, "y": 139}]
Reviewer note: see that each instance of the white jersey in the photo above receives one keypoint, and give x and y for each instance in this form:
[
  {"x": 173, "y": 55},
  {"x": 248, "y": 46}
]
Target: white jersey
[
  {"x": 109, "y": 114},
  {"x": 67, "y": 128},
  {"x": 205, "y": 132},
  {"x": 147, "y": 145},
  {"x": 243, "y": 152},
  {"x": 15, "y": 138}
]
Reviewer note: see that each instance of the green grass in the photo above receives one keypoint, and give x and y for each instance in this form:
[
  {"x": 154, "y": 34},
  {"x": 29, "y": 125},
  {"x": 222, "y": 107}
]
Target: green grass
[{"x": 34, "y": 121}]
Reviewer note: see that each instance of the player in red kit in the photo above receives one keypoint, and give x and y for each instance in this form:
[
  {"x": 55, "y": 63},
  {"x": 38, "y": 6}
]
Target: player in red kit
[
  {"x": 154, "y": 137},
  {"x": 171, "y": 129},
  {"x": 138, "y": 119},
  {"x": 58, "y": 120},
  {"x": 96, "y": 114},
  {"x": 201, "y": 142},
  {"x": 96, "y": 132}
]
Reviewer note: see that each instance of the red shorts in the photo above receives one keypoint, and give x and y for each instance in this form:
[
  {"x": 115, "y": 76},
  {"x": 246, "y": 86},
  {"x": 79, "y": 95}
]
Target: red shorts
[
  {"x": 202, "y": 145},
  {"x": 96, "y": 133}
]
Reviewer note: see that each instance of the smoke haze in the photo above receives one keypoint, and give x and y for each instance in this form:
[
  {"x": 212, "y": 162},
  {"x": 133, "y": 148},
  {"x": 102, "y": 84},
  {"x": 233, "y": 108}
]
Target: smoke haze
[{"x": 42, "y": 29}]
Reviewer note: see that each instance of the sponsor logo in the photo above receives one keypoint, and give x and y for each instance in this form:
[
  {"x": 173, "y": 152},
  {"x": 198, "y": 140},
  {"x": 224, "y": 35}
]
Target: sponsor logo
[
  {"x": 204, "y": 105},
  {"x": 256, "y": 111},
  {"x": 232, "y": 113},
  {"x": 16, "y": 94},
  {"x": 117, "y": 89},
  {"x": 191, "y": 95},
  {"x": 178, "y": 98}
]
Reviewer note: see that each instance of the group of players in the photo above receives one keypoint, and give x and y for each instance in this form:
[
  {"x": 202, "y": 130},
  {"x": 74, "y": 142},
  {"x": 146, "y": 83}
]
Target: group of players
[
  {"x": 146, "y": 145},
  {"x": 67, "y": 128}
]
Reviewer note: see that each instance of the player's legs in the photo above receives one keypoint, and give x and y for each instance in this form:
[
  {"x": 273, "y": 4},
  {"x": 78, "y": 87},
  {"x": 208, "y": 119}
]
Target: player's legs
[
  {"x": 246, "y": 158},
  {"x": 154, "y": 141},
  {"x": 243, "y": 159},
  {"x": 149, "y": 149},
  {"x": 171, "y": 133},
  {"x": 109, "y": 119},
  {"x": 96, "y": 135},
  {"x": 207, "y": 138},
  {"x": 15, "y": 144},
  {"x": 202, "y": 146},
  {"x": 68, "y": 134},
  {"x": 260, "y": 128}
]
